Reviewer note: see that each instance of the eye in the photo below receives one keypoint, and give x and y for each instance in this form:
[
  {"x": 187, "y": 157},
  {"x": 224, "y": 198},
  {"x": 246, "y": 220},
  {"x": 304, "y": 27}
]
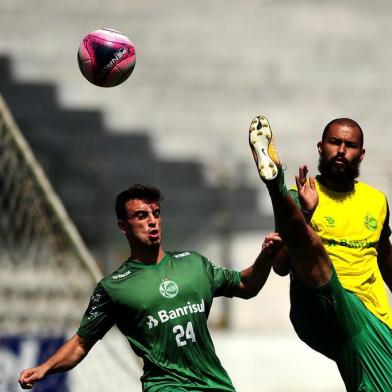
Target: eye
[
  {"x": 336, "y": 142},
  {"x": 351, "y": 144},
  {"x": 141, "y": 215},
  {"x": 157, "y": 213}
]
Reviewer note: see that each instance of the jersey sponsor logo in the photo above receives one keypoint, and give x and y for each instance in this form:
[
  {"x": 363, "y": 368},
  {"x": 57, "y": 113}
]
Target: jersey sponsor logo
[
  {"x": 168, "y": 288},
  {"x": 352, "y": 244},
  {"x": 189, "y": 308},
  {"x": 370, "y": 222},
  {"x": 166, "y": 315},
  {"x": 183, "y": 254},
  {"x": 151, "y": 322}
]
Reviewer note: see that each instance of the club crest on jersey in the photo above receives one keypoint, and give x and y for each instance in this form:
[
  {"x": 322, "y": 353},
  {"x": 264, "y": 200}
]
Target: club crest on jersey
[
  {"x": 168, "y": 288},
  {"x": 370, "y": 222}
]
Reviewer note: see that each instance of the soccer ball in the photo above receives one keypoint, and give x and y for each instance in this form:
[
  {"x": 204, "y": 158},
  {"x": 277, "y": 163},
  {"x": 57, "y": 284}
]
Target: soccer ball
[{"x": 106, "y": 57}]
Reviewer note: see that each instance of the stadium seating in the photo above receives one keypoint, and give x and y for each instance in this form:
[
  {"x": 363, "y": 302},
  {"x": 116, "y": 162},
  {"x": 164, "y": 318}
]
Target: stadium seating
[{"x": 88, "y": 166}]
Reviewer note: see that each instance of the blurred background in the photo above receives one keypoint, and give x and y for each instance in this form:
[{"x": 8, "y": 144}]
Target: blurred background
[{"x": 203, "y": 71}]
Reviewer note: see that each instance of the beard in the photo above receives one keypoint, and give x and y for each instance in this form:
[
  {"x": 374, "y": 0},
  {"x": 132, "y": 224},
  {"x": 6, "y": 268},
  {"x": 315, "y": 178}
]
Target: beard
[{"x": 344, "y": 175}]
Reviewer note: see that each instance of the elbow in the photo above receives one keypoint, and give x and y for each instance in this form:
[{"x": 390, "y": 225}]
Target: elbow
[
  {"x": 251, "y": 295},
  {"x": 248, "y": 293},
  {"x": 281, "y": 271},
  {"x": 281, "y": 267}
]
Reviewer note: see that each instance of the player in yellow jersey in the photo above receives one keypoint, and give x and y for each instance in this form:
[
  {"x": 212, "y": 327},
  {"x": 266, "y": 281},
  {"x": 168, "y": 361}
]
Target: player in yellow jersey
[{"x": 338, "y": 253}]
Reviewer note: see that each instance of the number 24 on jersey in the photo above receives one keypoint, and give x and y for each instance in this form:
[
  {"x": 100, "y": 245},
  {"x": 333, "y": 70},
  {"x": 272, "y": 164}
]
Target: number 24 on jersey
[{"x": 182, "y": 335}]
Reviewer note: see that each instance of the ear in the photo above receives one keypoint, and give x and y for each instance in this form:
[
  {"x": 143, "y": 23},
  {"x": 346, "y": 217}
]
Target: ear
[
  {"x": 362, "y": 155},
  {"x": 122, "y": 224},
  {"x": 320, "y": 147}
]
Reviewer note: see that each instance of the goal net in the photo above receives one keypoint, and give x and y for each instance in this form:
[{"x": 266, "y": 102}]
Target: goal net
[{"x": 46, "y": 278}]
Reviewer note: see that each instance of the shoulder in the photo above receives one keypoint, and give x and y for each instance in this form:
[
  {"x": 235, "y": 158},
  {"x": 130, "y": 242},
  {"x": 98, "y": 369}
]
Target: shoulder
[
  {"x": 366, "y": 189},
  {"x": 192, "y": 258},
  {"x": 118, "y": 275}
]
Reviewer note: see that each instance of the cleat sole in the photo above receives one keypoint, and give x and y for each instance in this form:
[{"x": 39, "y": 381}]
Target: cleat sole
[{"x": 259, "y": 141}]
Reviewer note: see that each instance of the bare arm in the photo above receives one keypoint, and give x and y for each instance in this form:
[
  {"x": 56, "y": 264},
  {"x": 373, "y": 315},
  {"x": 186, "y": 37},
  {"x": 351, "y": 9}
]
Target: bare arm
[
  {"x": 65, "y": 358},
  {"x": 254, "y": 277},
  {"x": 384, "y": 260}
]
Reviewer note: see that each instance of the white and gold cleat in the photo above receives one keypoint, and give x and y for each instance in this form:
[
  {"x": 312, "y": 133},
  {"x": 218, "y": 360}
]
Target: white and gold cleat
[{"x": 262, "y": 145}]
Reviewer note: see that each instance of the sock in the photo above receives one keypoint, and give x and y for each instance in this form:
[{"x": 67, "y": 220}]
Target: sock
[{"x": 277, "y": 186}]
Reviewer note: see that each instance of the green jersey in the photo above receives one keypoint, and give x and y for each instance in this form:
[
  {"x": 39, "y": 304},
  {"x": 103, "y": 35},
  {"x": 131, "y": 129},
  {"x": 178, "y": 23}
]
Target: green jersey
[{"x": 162, "y": 309}]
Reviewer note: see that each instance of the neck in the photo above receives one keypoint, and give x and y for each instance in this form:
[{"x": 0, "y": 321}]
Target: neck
[
  {"x": 149, "y": 256},
  {"x": 338, "y": 186}
]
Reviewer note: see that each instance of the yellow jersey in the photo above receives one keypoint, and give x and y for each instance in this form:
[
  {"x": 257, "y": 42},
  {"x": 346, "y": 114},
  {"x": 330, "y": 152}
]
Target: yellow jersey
[{"x": 350, "y": 226}]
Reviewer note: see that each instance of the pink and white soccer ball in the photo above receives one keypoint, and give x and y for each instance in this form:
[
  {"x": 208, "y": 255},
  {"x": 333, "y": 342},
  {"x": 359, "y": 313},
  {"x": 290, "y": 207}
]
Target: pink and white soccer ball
[{"x": 106, "y": 57}]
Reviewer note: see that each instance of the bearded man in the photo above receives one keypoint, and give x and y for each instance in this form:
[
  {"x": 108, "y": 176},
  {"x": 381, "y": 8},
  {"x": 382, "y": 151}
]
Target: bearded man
[{"x": 339, "y": 261}]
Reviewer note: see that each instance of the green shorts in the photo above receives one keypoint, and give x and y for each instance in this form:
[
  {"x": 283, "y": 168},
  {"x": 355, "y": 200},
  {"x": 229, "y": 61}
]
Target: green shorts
[{"x": 336, "y": 323}]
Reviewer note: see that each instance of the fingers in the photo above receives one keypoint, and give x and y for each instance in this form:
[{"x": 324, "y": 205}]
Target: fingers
[
  {"x": 301, "y": 179},
  {"x": 271, "y": 242},
  {"x": 272, "y": 237},
  {"x": 27, "y": 378},
  {"x": 302, "y": 173},
  {"x": 312, "y": 183},
  {"x": 26, "y": 386}
]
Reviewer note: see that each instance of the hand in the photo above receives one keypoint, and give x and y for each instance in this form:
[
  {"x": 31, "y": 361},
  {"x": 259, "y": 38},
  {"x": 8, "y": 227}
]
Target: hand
[
  {"x": 307, "y": 192},
  {"x": 271, "y": 244},
  {"x": 28, "y": 377}
]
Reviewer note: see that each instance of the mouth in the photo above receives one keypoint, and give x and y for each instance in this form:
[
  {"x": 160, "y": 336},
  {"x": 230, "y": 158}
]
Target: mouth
[
  {"x": 153, "y": 234},
  {"x": 339, "y": 162}
]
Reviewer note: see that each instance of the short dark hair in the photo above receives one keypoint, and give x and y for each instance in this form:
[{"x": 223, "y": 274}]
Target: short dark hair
[
  {"x": 138, "y": 192},
  {"x": 343, "y": 121}
]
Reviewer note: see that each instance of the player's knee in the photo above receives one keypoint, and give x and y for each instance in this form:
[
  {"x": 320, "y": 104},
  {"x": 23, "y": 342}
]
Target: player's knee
[{"x": 312, "y": 263}]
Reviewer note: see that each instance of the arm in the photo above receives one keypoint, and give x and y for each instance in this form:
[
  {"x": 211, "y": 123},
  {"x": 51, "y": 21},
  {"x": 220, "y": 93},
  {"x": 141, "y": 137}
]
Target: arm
[
  {"x": 65, "y": 358},
  {"x": 254, "y": 277},
  {"x": 384, "y": 259}
]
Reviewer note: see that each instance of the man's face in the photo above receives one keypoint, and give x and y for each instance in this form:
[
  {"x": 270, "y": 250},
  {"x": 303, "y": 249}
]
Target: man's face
[
  {"x": 341, "y": 153},
  {"x": 143, "y": 223}
]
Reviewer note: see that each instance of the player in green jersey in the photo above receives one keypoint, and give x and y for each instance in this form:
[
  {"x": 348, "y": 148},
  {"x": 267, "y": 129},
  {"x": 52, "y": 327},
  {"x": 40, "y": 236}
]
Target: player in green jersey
[
  {"x": 345, "y": 325},
  {"x": 160, "y": 301}
]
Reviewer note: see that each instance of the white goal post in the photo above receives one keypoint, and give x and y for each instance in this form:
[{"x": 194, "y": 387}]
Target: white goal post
[{"x": 46, "y": 278}]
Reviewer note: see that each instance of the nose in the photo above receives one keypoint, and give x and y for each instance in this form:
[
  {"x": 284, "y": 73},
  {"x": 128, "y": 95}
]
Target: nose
[
  {"x": 342, "y": 148},
  {"x": 151, "y": 220}
]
